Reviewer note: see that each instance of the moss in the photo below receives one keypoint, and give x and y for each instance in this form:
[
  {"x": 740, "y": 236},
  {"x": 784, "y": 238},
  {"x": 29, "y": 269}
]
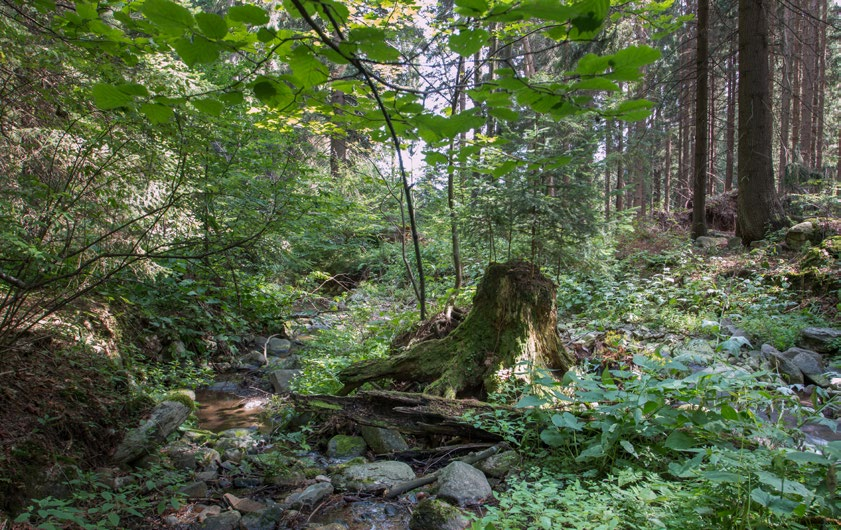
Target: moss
[
  {"x": 180, "y": 397},
  {"x": 833, "y": 246},
  {"x": 434, "y": 514}
]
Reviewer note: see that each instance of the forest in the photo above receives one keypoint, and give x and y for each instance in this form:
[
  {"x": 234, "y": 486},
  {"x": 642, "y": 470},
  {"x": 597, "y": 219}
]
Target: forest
[{"x": 407, "y": 264}]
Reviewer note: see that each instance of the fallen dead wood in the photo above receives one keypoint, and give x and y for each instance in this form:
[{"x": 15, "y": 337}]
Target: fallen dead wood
[
  {"x": 432, "y": 477},
  {"x": 416, "y": 414}
]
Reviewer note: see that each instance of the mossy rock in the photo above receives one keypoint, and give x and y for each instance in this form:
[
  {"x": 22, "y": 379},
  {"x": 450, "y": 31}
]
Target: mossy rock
[
  {"x": 832, "y": 245},
  {"x": 182, "y": 396},
  {"x": 342, "y": 446},
  {"x": 432, "y": 514}
]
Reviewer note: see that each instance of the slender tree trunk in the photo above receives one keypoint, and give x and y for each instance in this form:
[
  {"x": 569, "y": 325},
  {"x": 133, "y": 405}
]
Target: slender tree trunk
[
  {"x": 731, "y": 122},
  {"x": 667, "y": 174},
  {"x": 620, "y": 178},
  {"x": 785, "y": 94},
  {"x": 821, "y": 100},
  {"x": 699, "y": 223},
  {"x": 338, "y": 141},
  {"x": 808, "y": 84},
  {"x": 796, "y": 76},
  {"x": 711, "y": 173},
  {"x": 608, "y": 148},
  {"x": 758, "y": 206}
]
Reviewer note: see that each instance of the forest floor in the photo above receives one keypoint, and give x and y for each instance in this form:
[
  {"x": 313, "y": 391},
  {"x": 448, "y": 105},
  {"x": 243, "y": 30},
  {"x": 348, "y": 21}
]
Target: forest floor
[{"x": 674, "y": 413}]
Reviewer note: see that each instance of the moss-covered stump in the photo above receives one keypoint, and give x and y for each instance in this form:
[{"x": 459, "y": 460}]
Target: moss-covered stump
[{"x": 513, "y": 320}]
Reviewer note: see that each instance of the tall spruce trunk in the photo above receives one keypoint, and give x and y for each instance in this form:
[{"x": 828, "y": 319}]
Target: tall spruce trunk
[
  {"x": 699, "y": 222},
  {"x": 758, "y": 206}
]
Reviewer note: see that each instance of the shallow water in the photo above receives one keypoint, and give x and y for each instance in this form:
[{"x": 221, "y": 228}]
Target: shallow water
[
  {"x": 366, "y": 515},
  {"x": 219, "y": 411}
]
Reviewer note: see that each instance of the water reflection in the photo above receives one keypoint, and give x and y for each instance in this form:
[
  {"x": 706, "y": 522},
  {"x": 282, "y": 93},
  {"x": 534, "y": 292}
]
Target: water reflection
[{"x": 219, "y": 411}]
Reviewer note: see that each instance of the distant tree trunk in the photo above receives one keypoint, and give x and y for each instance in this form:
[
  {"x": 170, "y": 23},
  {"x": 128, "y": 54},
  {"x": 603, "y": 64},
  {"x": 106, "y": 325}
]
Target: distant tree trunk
[
  {"x": 608, "y": 148},
  {"x": 699, "y": 223},
  {"x": 620, "y": 178},
  {"x": 667, "y": 174},
  {"x": 758, "y": 206},
  {"x": 731, "y": 122},
  {"x": 809, "y": 58},
  {"x": 821, "y": 99},
  {"x": 338, "y": 141},
  {"x": 796, "y": 76},
  {"x": 711, "y": 173},
  {"x": 513, "y": 320},
  {"x": 785, "y": 93}
]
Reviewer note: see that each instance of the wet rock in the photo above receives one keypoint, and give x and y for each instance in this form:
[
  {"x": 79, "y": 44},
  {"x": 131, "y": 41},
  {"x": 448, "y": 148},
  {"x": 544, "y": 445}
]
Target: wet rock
[
  {"x": 783, "y": 365},
  {"x": 373, "y": 477},
  {"x": 822, "y": 340},
  {"x": 437, "y": 515},
  {"x": 284, "y": 363},
  {"x": 204, "y": 476},
  {"x": 243, "y": 440},
  {"x": 310, "y": 497},
  {"x": 383, "y": 441},
  {"x": 244, "y": 505},
  {"x": 341, "y": 446},
  {"x": 463, "y": 484},
  {"x": 164, "y": 419},
  {"x": 196, "y": 490},
  {"x": 188, "y": 456},
  {"x": 224, "y": 386},
  {"x": 281, "y": 380},
  {"x": 254, "y": 357},
  {"x": 248, "y": 482},
  {"x": 274, "y": 346},
  {"x": 232, "y": 455},
  {"x": 263, "y": 520},
  {"x": 500, "y": 464},
  {"x": 799, "y": 234},
  {"x": 810, "y": 364},
  {"x": 224, "y": 521}
]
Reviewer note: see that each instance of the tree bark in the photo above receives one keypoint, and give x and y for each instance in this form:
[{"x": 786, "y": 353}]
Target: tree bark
[
  {"x": 758, "y": 206},
  {"x": 512, "y": 321},
  {"x": 699, "y": 222},
  {"x": 667, "y": 176},
  {"x": 608, "y": 148},
  {"x": 620, "y": 177},
  {"x": 785, "y": 95},
  {"x": 731, "y": 122}
]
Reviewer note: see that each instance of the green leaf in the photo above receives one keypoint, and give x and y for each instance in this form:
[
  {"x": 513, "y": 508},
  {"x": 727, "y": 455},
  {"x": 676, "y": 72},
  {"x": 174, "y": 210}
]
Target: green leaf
[
  {"x": 806, "y": 458},
  {"x": 595, "y": 83},
  {"x": 679, "y": 441},
  {"x": 306, "y": 68},
  {"x": 210, "y": 106},
  {"x": 87, "y": 10},
  {"x": 722, "y": 477},
  {"x": 545, "y": 10},
  {"x": 114, "y": 519},
  {"x": 627, "y": 446},
  {"x": 133, "y": 89},
  {"x": 197, "y": 51},
  {"x": 265, "y": 35},
  {"x": 433, "y": 157},
  {"x": 567, "y": 421},
  {"x": 469, "y": 41},
  {"x": 212, "y": 25},
  {"x": 248, "y": 14},
  {"x": 108, "y": 97},
  {"x": 472, "y": 7},
  {"x": 167, "y": 14},
  {"x": 271, "y": 93},
  {"x": 232, "y": 98},
  {"x": 156, "y": 113},
  {"x": 504, "y": 114},
  {"x": 553, "y": 438},
  {"x": 529, "y": 401},
  {"x": 729, "y": 413}
]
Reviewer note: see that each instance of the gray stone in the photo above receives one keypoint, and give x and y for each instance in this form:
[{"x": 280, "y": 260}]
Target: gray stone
[
  {"x": 373, "y": 477},
  {"x": 799, "y": 234},
  {"x": 186, "y": 456},
  {"x": 206, "y": 475},
  {"x": 432, "y": 514},
  {"x": 463, "y": 484},
  {"x": 278, "y": 347},
  {"x": 254, "y": 357},
  {"x": 734, "y": 242},
  {"x": 783, "y": 365},
  {"x": 232, "y": 455},
  {"x": 810, "y": 364},
  {"x": 248, "y": 482},
  {"x": 164, "y": 419},
  {"x": 347, "y": 447},
  {"x": 499, "y": 465},
  {"x": 196, "y": 490},
  {"x": 281, "y": 380},
  {"x": 383, "y": 441},
  {"x": 821, "y": 339},
  {"x": 310, "y": 497},
  {"x": 263, "y": 520},
  {"x": 707, "y": 242},
  {"x": 224, "y": 521}
]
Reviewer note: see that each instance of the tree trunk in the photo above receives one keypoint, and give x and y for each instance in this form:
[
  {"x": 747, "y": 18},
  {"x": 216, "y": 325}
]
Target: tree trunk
[
  {"x": 731, "y": 122},
  {"x": 620, "y": 177},
  {"x": 608, "y": 148},
  {"x": 512, "y": 321},
  {"x": 667, "y": 176},
  {"x": 699, "y": 223},
  {"x": 785, "y": 94},
  {"x": 758, "y": 206}
]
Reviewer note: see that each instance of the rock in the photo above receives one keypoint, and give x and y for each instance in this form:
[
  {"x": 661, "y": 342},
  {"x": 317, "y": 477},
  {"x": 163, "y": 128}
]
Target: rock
[
  {"x": 204, "y": 476},
  {"x": 463, "y": 484},
  {"x": 734, "y": 242},
  {"x": 264, "y": 520},
  {"x": 373, "y": 477},
  {"x": 432, "y": 514},
  {"x": 196, "y": 490},
  {"x": 204, "y": 511},
  {"x": 341, "y": 446},
  {"x": 232, "y": 455},
  {"x": 500, "y": 464},
  {"x": 248, "y": 482},
  {"x": 310, "y": 497},
  {"x": 224, "y": 386},
  {"x": 799, "y": 234},
  {"x": 241, "y": 440},
  {"x": 187, "y": 456},
  {"x": 243, "y": 505},
  {"x": 281, "y": 380},
  {"x": 810, "y": 364},
  {"x": 832, "y": 245},
  {"x": 784, "y": 366},
  {"x": 383, "y": 441},
  {"x": 284, "y": 363},
  {"x": 278, "y": 347},
  {"x": 706, "y": 242},
  {"x": 254, "y": 357},
  {"x": 823, "y": 340},
  {"x": 224, "y": 521},
  {"x": 164, "y": 419}
]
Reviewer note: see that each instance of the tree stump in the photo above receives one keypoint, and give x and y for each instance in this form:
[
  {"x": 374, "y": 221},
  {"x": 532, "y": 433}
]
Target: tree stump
[{"x": 513, "y": 320}]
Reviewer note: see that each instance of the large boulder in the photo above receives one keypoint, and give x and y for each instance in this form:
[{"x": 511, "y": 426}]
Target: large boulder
[
  {"x": 500, "y": 464},
  {"x": 346, "y": 447},
  {"x": 800, "y": 234},
  {"x": 823, "y": 340},
  {"x": 224, "y": 521},
  {"x": 281, "y": 380},
  {"x": 432, "y": 514},
  {"x": 810, "y": 364},
  {"x": 783, "y": 365},
  {"x": 463, "y": 484},
  {"x": 165, "y": 418},
  {"x": 373, "y": 477},
  {"x": 707, "y": 242},
  {"x": 383, "y": 441}
]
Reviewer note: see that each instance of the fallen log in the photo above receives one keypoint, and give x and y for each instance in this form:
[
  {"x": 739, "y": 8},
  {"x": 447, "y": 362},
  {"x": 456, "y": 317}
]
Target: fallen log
[{"x": 416, "y": 414}]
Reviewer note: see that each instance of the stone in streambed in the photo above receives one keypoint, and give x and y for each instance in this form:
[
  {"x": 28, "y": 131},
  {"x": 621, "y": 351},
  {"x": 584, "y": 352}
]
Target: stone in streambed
[
  {"x": 432, "y": 514},
  {"x": 463, "y": 484},
  {"x": 342, "y": 446},
  {"x": 373, "y": 477}
]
